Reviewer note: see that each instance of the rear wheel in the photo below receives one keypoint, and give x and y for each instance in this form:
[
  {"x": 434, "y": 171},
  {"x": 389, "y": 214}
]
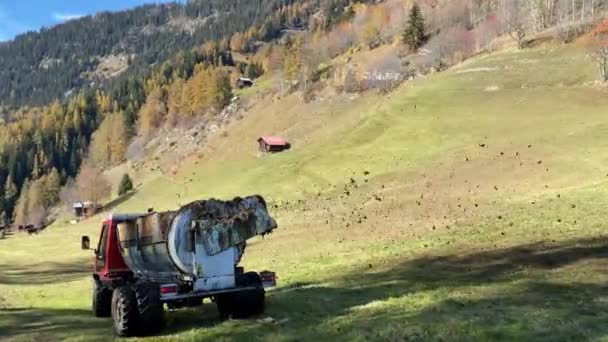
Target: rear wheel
[
  {"x": 257, "y": 297},
  {"x": 102, "y": 300},
  {"x": 125, "y": 315},
  {"x": 246, "y": 303},
  {"x": 151, "y": 311},
  {"x": 224, "y": 304}
]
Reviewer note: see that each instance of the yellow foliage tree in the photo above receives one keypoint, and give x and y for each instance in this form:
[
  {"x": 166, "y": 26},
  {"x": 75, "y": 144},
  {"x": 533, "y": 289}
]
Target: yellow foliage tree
[
  {"x": 198, "y": 89},
  {"x": 236, "y": 42},
  {"x": 153, "y": 112},
  {"x": 292, "y": 62},
  {"x": 109, "y": 142},
  {"x": 175, "y": 107},
  {"x": 20, "y": 212}
]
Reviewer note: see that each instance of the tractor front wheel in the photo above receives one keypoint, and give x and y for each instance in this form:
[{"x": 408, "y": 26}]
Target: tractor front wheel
[
  {"x": 125, "y": 314},
  {"x": 151, "y": 309},
  {"x": 102, "y": 300}
]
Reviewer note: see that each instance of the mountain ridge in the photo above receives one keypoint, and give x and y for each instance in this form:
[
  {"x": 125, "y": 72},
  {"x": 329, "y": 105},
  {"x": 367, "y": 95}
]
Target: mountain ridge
[{"x": 150, "y": 33}]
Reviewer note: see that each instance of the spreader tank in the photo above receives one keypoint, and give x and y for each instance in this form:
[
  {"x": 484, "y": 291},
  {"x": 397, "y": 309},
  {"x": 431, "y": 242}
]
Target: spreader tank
[{"x": 202, "y": 240}]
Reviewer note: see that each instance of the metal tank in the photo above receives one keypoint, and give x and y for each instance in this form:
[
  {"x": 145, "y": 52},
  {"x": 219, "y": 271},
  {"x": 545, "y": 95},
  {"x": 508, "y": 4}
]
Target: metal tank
[{"x": 202, "y": 241}]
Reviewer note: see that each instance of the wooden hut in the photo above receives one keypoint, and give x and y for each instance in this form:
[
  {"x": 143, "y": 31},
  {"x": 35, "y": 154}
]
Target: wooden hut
[{"x": 269, "y": 144}]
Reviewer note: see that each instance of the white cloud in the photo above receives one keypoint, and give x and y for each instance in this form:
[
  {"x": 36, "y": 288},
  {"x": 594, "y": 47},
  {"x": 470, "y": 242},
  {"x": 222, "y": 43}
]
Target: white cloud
[{"x": 66, "y": 16}]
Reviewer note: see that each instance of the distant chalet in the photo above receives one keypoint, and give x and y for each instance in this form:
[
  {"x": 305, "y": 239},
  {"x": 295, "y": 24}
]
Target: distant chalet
[
  {"x": 273, "y": 144},
  {"x": 243, "y": 82},
  {"x": 85, "y": 209}
]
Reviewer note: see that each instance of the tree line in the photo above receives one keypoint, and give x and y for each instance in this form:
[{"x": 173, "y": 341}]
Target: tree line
[
  {"x": 41, "y": 148},
  {"x": 38, "y": 67}
]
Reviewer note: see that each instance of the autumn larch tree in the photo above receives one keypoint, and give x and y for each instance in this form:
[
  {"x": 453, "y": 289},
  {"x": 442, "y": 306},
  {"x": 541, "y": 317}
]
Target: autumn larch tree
[
  {"x": 175, "y": 106},
  {"x": 20, "y": 213},
  {"x": 109, "y": 143},
  {"x": 236, "y": 43},
  {"x": 152, "y": 112},
  {"x": 92, "y": 185},
  {"x": 36, "y": 208},
  {"x": 415, "y": 32},
  {"x": 292, "y": 63}
]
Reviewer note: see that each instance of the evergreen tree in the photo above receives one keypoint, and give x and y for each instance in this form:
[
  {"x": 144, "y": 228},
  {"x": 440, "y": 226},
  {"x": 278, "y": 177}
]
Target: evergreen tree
[
  {"x": 415, "y": 32},
  {"x": 10, "y": 192},
  {"x": 254, "y": 70},
  {"x": 126, "y": 185}
]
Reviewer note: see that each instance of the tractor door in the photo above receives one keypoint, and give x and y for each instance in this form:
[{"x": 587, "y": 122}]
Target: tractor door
[
  {"x": 102, "y": 249},
  {"x": 109, "y": 262}
]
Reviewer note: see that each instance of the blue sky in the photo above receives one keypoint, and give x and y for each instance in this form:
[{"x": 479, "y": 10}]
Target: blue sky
[{"x": 18, "y": 16}]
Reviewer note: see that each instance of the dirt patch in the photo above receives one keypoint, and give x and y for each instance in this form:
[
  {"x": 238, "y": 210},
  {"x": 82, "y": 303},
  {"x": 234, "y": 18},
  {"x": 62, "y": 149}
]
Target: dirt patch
[
  {"x": 109, "y": 67},
  {"x": 171, "y": 146},
  {"x": 485, "y": 69}
]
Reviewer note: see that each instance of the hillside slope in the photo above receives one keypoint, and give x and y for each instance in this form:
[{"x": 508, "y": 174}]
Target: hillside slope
[{"x": 463, "y": 206}]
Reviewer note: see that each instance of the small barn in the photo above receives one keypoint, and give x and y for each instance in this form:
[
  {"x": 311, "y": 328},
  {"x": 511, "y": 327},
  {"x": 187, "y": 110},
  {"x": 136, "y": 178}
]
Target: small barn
[
  {"x": 85, "y": 209},
  {"x": 270, "y": 144},
  {"x": 243, "y": 82}
]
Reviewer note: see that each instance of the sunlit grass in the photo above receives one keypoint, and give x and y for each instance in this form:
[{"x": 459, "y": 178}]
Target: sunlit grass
[{"x": 460, "y": 242}]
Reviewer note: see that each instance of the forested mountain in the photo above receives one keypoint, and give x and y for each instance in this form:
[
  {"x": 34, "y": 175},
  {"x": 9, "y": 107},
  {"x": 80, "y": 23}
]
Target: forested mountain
[
  {"x": 38, "y": 67},
  {"x": 62, "y": 101}
]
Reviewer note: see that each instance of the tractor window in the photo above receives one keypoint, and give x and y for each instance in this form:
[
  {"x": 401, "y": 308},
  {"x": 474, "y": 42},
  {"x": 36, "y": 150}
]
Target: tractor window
[{"x": 102, "y": 247}]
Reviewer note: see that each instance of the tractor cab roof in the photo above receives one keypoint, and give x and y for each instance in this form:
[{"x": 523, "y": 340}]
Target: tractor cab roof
[{"x": 125, "y": 217}]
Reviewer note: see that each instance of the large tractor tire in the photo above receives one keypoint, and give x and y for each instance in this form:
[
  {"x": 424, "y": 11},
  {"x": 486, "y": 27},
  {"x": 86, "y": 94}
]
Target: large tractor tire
[
  {"x": 247, "y": 303},
  {"x": 151, "y": 311},
  {"x": 225, "y": 303},
  {"x": 125, "y": 314},
  {"x": 102, "y": 300}
]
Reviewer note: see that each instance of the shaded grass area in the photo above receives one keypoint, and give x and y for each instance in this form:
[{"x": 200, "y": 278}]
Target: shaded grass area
[
  {"x": 505, "y": 294},
  {"x": 46, "y": 273},
  {"x": 494, "y": 295},
  {"x": 42, "y": 324}
]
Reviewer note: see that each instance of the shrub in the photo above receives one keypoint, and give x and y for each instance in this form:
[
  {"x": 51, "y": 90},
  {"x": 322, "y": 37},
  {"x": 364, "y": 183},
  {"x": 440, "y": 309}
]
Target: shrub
[
  {"x": 567, "y": 33},
  {"x": 126, "y": 185}
]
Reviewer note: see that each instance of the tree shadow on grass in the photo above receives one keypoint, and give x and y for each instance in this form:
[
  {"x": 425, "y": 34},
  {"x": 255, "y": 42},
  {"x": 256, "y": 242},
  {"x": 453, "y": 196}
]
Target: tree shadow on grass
[
  {"x": 506, "y": 294},
  {"x": 39, "y": 324},
  {"x": 45, "y": 273},
  {"x": 118, "y": 201},
  {"x": 511, "y": 294}
]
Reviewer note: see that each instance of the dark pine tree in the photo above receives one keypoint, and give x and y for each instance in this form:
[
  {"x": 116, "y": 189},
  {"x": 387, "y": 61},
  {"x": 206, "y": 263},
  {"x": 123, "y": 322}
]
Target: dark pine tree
[
  {"x": 126, "y": 185},
  {"x": 415, "y": 32}
]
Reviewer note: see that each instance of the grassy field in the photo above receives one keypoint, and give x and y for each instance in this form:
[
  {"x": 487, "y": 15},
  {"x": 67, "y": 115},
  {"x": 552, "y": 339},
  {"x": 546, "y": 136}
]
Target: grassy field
[{"x": 465, "y": 206}]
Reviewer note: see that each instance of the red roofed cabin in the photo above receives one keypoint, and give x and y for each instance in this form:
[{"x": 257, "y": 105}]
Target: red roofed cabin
[{"x": 273, "y": 144}]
